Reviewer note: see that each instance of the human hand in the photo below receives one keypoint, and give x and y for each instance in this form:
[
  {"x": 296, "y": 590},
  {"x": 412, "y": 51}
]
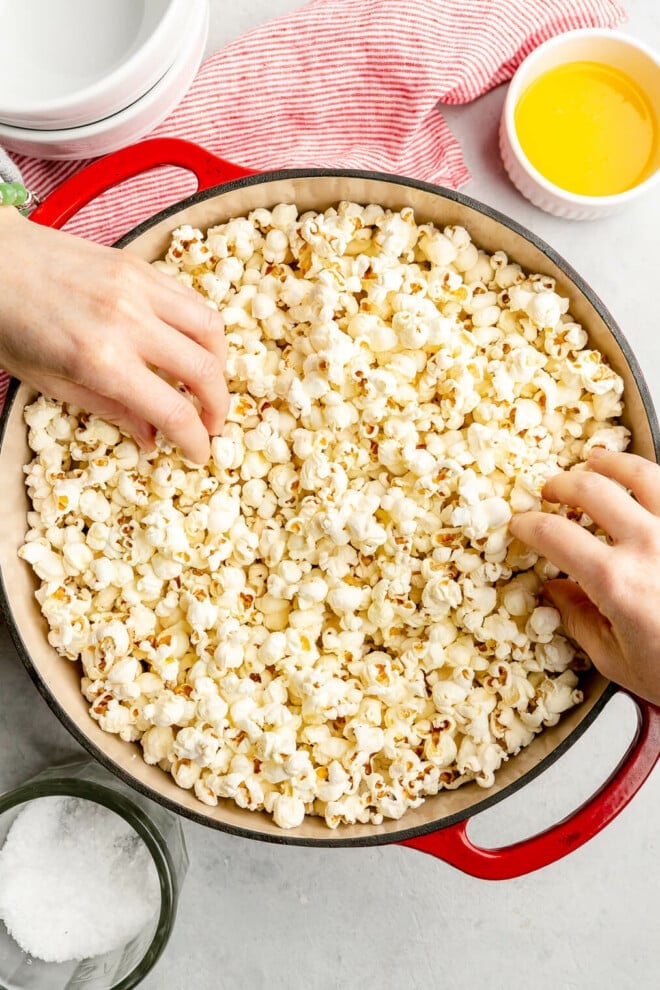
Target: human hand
[
  {"x": 88, "y": 324},
  {"x": 610, "y": 603}
]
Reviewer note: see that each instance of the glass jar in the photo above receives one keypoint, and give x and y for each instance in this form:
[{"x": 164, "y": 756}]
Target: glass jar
[{"x": 162, "y": 834}]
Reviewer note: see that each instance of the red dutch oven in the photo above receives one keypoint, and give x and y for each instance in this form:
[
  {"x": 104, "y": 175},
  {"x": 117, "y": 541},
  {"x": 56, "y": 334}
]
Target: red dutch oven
[{"x": 439, "y": 826}]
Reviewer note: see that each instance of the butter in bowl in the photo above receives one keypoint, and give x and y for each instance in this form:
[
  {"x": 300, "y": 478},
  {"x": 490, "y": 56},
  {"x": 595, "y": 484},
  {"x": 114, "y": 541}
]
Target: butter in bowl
[{"x": 580, "y": 128}]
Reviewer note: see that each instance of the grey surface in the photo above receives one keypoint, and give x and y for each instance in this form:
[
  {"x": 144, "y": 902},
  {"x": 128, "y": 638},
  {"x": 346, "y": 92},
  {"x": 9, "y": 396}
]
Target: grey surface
[{"x": 254, "y": 915}]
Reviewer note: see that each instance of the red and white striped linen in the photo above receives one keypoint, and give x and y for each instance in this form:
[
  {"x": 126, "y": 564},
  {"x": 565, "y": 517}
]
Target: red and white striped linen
[{"x": 345, "y": 83}]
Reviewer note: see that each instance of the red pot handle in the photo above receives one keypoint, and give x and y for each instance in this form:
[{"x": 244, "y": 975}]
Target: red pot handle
[
  {"x": 452, "y": 844},
  {"x": 81, "y": 188}
]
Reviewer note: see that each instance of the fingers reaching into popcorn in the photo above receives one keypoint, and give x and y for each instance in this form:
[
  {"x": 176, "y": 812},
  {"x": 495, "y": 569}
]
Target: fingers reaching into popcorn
[
  {"x": 610, "y": 603},
  {"x": 95, "y": 327}
]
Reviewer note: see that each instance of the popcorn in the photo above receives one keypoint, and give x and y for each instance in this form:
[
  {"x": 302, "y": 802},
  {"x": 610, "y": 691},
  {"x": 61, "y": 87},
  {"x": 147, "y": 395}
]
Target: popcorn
[
  {"x": 157, "y": 742},
  {"x": 330, "y": 617},
  {"x": 288, "y": 811},
  {"x": 542, "y": 624},
  {"x": 46, "y": 563}
]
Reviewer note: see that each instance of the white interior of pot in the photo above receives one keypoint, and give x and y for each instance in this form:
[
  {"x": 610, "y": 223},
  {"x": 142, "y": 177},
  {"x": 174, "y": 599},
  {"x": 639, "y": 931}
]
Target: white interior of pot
[{"x": 60, "y": 678}]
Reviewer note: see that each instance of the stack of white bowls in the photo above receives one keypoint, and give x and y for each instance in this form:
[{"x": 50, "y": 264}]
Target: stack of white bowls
[{"x": 81, "y": 78}]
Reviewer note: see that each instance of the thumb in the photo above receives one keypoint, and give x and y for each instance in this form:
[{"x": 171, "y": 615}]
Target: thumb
[{"x": 585, "y": 624}]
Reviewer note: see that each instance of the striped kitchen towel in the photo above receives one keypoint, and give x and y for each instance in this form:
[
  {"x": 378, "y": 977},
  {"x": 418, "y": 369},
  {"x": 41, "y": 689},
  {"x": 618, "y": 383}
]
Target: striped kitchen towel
[{"x": 346, "y": 83}]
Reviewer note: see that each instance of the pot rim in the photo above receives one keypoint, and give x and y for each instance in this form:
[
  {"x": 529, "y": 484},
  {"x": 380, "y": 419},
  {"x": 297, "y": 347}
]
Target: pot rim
[{"x": 375, "y": 837}]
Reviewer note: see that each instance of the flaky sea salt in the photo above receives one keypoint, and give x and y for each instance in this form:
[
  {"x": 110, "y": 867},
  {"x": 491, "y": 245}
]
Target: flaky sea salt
[{"x": 75, "y": 880}]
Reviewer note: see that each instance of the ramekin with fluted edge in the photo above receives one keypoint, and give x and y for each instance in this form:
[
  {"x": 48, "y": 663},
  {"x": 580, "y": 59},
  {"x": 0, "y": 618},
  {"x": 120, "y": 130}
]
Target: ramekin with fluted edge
[{"x": 622, "y": 52}]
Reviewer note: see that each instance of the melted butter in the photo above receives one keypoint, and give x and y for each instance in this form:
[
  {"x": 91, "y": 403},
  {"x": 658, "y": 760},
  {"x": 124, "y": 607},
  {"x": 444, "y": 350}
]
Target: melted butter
[{"x": 588, "y": 128}]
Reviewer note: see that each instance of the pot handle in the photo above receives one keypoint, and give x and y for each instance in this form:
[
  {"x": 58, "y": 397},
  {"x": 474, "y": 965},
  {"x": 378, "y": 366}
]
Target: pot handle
[
  {"x": 81, "y": 188},
  {"x": 452, "y": 844}
]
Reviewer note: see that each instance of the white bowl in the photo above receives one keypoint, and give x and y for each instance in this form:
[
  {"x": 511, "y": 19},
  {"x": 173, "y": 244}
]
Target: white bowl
[
  {"x": 593, "y": 45},
  {"x": 134, "y": 121},
  {"x": 66, "y": 63}
]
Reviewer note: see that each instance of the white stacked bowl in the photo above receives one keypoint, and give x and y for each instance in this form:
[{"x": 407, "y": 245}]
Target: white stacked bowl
[{"x": 81, "y": 79}]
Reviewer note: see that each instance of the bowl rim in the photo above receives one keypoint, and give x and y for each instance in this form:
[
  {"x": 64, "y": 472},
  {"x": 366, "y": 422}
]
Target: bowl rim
[
  {"x": 62, "y": 784},
  {"x": 514, "y": 92},
  {"x": 140, "y": 70},
  {"x": 335, "y": 838},
  {"x": 197, "y": 26}
]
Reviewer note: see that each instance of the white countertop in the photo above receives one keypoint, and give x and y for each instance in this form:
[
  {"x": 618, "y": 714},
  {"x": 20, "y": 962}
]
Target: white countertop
[{"x": 255, "y": 916}]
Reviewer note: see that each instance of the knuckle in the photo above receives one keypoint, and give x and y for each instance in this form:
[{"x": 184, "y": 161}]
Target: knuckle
[
  {"x": 587, "y": 483},
  {"x": 207, "y": 368},
  {"x": 120, "y": 286},
  {"x": 179, "y": 416},
  {"x": 106, "y": 355},
  {"x": 210, "y": 325},
  {"x": 614, "y": 584},
  {"x": 606, "y": 578},
  {"x": 95, "y": 361},
  {"x": 644, "y": 482},
  {"x": 641, "y": 469},
  {"x": 110, "y": 365},
  {"x": 543, "y": 528},
  {"x": 120, "y": 269}
]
